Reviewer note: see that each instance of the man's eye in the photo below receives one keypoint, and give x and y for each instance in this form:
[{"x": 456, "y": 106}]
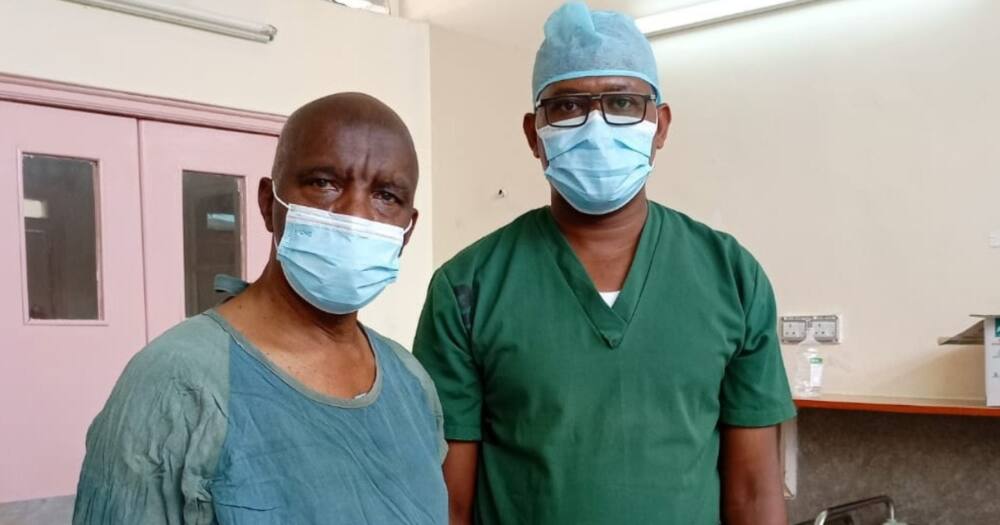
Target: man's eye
[
  {"x": 386, "y": 196},
  {"x": 321, "y": 183},
  {"x": 621, "y": 103}
]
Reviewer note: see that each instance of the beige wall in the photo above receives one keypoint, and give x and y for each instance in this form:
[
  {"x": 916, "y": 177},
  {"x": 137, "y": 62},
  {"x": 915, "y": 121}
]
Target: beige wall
[
  {"x": 849, "y": 144},
  {"x": 320, "y": 49},
  {"x": 479, "y": 93}
]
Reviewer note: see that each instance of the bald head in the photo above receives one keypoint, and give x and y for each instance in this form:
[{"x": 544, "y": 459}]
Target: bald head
[
  {"x": 346, "y": 153},
  {"x": 341, "y": 114}
]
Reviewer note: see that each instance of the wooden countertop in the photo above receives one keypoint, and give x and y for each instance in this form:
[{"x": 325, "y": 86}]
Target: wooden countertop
[{"x": 899, "y": 405}]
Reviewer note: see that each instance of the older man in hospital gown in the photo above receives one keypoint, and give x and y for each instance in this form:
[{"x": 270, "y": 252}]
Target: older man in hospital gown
[{"x": 278, "y": 406}]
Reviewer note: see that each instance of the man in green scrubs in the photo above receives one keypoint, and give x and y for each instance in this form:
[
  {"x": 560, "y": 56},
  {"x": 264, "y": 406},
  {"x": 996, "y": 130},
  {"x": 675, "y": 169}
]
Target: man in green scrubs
[{"x": 605, "y": 359}]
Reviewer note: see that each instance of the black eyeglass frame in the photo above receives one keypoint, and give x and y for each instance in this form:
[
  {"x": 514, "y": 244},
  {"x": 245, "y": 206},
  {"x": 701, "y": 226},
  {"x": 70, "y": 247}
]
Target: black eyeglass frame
[{"x": 647, "y": 98}]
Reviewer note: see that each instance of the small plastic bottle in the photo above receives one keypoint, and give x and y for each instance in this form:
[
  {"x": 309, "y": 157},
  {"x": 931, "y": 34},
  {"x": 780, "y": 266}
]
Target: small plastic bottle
[{"x": 809, "y": 371}]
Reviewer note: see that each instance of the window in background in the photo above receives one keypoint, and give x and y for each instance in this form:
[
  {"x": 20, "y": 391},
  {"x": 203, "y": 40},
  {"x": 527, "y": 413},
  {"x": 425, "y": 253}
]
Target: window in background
[
  {"x": 60, "y": 237},
  {"x": 213, "y": 235}
]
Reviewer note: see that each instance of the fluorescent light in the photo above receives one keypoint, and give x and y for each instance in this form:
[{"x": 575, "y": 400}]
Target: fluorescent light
[
  {"x": 190, "y": 17},
  {"x": 367, "y": 5},
  {"x": 706, "y": 13}
]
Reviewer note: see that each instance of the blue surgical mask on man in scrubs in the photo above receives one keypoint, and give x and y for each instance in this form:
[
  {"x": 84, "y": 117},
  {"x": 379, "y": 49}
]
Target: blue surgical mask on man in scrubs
[
  {"x": 599, "y": 117},
  {"x": 598, "y": 161}
]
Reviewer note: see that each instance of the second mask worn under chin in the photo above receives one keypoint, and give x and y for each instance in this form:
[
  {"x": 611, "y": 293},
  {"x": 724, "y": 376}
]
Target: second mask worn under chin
[
  {"x": 337, "y": 263},
  {"x": 597, "y": 167}
]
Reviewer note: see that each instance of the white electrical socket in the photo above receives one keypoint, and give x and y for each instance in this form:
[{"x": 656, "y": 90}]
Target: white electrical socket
[
  {"x": 826, "y": 329},
  {"x": 995, "y": 239},
  {"x": 794, "y": 328}
]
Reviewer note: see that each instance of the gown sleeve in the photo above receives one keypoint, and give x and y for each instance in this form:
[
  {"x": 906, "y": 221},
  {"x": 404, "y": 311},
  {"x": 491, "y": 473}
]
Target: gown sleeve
[{"x": 152, "y": 450}]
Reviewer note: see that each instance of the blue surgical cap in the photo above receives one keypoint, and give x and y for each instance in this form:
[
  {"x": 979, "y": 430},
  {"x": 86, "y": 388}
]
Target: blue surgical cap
[{"x": 584, "y": 43}]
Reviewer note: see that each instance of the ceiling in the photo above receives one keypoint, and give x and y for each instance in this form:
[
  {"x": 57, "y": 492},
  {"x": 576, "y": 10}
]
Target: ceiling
[{"x": 515, "y": 22}]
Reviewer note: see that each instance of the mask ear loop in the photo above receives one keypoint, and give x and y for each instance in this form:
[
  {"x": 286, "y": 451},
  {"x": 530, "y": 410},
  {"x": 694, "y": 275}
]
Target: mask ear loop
[
  {"x": 274, "y": 192},
  {"x": 409, "y": 227},
  {"x": 656, "y": 113}
]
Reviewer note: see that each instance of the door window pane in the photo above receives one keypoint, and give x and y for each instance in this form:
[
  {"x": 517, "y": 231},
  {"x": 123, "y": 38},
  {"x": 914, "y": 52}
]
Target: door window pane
[
  {"x": 60, "y": 233},
  {"x": 213, "y": 233}
]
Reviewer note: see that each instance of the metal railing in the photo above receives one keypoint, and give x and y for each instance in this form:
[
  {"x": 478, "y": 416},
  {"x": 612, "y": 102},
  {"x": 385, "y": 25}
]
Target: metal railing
[{"x": 842, "y": 513}]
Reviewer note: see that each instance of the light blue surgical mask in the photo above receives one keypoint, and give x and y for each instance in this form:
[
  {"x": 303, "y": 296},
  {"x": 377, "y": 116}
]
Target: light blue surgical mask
[
  {"x": 337, "y": 263},
  {"x": 597, "y": 167}
]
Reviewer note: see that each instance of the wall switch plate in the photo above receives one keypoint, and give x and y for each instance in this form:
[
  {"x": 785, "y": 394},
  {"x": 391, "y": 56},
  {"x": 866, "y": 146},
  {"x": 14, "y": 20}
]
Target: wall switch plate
[
  {"x": 794, "y": 329},
  {"x": 826, "y": 329},
  {"x": 995, "y": 240}
]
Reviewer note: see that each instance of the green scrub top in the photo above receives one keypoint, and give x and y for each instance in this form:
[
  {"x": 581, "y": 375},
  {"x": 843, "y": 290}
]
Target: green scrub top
[{"x": 590, "y": 414}]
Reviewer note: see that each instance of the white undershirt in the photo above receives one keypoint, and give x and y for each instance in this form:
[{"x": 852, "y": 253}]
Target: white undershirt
[{"x": 610, "y": 297}]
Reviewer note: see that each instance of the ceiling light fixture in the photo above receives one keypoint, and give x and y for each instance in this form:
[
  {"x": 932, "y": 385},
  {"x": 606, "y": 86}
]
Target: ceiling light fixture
[
  {"x": 707, "y": 13},
  {"x": 190, "y": 17},
  {"x": 376, "y": 6}
]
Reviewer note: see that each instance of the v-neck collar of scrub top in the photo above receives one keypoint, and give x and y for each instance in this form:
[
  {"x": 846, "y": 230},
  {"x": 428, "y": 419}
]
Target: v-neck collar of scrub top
[{"x": 610, "y": 322}]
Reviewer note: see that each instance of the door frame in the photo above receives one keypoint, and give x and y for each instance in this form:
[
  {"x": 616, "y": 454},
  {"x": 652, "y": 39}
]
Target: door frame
[
  {"x": 66, "y": 95},
  {"x": 75, "y": 97},
  {"x": 167, "y": 151},
  {"x": 43, "y": 365}
]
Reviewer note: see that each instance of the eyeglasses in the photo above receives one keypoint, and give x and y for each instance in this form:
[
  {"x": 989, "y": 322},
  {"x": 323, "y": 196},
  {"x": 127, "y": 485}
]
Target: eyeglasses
[{"x": 618, "y": 109}]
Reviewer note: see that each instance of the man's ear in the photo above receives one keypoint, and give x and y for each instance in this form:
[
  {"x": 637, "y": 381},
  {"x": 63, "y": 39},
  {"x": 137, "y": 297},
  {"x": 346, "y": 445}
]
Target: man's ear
[
  {"x": 531, "y": 134},
  {"x": 413, "y": 226},
  {"x": 265, "y": 201},
  {"x": 536, "y": 145},
  {"x": 662, "y": 125},
  {"x": 663, "y": 117}
]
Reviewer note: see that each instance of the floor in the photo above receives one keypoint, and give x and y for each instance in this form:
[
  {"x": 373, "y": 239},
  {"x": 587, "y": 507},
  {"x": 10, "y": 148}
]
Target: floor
[{"x": 47, "y": 511}]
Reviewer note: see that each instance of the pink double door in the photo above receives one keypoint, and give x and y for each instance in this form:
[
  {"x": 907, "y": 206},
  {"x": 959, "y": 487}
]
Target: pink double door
[{"x": 115, "y": 228}]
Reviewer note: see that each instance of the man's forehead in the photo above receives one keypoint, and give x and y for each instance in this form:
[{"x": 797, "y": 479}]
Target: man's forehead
[
  {"x": 597, "y": 85},
  {"x": 348, "y": 132},
  {"x": 346, "y": 140},
  {"x": 343, "y": 147}
]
